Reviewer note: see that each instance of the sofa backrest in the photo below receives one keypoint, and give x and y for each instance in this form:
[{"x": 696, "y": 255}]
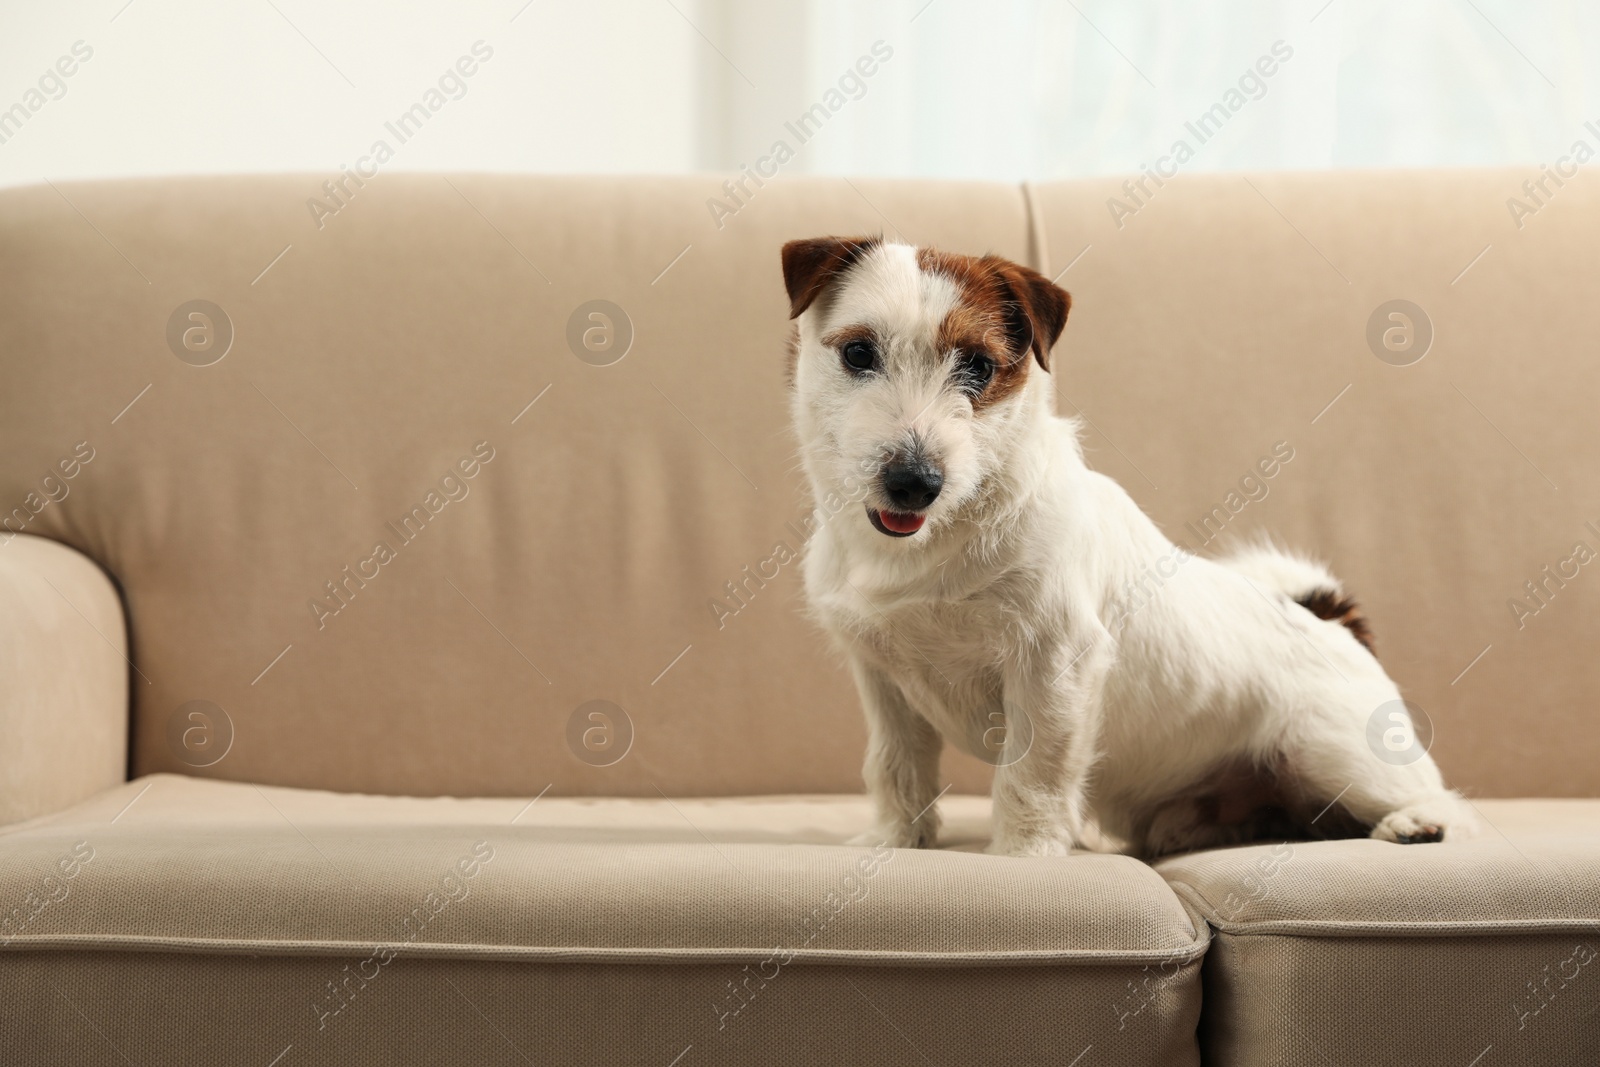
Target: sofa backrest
[
  {"x": 482, "y": 484},
  {"x": 1229, "y": 313}
]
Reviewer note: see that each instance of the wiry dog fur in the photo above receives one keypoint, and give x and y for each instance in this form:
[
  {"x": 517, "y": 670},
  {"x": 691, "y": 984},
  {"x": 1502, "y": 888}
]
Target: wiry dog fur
[{"x": 1229, "y": 705}]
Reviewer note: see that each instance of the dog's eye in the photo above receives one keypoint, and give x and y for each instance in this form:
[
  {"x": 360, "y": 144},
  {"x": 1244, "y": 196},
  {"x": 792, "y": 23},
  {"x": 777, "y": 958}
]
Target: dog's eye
[
  {"x": 973, "y": 371},
  {"x": 859, "y": 355}
]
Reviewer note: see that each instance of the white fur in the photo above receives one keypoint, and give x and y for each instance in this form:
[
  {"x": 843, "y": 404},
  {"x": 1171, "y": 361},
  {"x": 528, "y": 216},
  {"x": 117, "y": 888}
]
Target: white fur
[{"x": 1040, "y": 599}]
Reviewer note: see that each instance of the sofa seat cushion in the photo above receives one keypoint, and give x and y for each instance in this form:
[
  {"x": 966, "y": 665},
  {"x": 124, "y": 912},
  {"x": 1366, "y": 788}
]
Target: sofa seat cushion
[
  {"x": 1365, "y": 952},
  {"x": 225, "y": 866},
  {"x": 588, "y": 931}
]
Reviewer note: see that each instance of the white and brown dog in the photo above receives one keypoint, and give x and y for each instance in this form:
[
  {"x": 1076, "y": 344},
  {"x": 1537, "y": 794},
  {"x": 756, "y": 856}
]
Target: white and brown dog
[{"x": 984, "y": 584}]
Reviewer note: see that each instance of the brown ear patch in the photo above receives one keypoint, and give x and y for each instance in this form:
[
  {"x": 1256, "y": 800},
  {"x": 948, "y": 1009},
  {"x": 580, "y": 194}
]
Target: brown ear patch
[
  {"x": 810, "y": 265},
  {"x": 1039, "y": 303},
  {"x": 1326, "y": 604}
]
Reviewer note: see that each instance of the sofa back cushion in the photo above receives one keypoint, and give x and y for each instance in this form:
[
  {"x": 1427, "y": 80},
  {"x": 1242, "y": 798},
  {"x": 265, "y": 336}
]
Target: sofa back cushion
[
  {"x": 390, "y": 510},
  {"x": 1423, "y": 342},
  {"x": 492, "y": 487}
]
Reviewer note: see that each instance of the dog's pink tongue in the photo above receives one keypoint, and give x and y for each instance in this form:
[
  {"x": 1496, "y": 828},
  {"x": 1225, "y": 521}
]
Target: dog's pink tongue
[{"x": 900, "y": 522}]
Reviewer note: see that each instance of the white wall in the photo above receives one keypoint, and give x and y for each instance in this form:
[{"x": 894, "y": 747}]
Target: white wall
[
  {"x": 184, "y": 86},
  {"x": 974, "y": 88}
]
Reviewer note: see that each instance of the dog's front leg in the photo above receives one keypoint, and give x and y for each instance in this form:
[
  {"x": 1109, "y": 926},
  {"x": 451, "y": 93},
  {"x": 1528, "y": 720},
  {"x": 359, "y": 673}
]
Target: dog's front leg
[
  {"x": 902, "y": 766},
  {"x": 1051, "y": 706}
]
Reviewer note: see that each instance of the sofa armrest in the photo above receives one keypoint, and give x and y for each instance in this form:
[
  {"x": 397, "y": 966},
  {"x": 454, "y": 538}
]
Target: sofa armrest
[{"x": 63, "y": 679}]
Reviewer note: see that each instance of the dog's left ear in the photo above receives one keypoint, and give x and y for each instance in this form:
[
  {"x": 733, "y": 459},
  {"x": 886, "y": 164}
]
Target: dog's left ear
[
  {"x": 809, "y": 265},
  {"x": 1037, "y": 311}
]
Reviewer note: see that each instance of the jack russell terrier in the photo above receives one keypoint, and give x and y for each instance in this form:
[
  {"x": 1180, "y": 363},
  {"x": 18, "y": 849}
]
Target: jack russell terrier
[{"x": 978, "y": 594}]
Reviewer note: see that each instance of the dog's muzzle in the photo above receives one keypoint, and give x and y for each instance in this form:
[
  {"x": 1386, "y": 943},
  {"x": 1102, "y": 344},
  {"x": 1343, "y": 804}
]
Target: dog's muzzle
[{"x": 910, "y": 484}]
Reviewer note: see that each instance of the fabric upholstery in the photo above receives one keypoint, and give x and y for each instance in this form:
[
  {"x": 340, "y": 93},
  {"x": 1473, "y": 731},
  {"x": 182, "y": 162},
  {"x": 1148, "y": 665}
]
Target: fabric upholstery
[
  {"x": 1368, "y": 952},
  {"x": 585, "y": 931},
  {"x": 233, "y": 867},
  {"x": 562, "y": 522},
  {"x": 584, "y": 558},
  {"x": 1535, "y": 865},
  {"x": 1230, "y": 311},
  {"x": 64, "y": 662},
  {"x": 92, "y": 1009},
  {"x": 1295, "y": 1002},
  {"x": 587, "y": 557}
]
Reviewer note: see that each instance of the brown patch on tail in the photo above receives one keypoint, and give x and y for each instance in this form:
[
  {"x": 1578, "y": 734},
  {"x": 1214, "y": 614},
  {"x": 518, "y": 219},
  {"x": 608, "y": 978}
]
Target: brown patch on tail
[{"x": 1326, "y": 604}]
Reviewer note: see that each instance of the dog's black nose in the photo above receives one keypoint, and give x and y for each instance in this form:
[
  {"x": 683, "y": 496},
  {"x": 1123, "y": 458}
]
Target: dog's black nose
[{"x": 912, "y": 483}]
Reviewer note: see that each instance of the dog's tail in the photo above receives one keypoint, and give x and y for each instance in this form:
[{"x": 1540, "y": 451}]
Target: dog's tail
[{"x": 1307, "y": 583}]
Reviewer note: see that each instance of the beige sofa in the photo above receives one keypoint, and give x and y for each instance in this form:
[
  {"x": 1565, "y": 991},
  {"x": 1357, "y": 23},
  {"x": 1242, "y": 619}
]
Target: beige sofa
[{"x": 404, "y": 665}]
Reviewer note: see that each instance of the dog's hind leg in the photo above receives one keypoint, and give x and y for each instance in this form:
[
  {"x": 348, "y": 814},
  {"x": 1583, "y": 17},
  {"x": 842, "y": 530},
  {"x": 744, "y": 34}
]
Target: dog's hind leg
[
  {"x": 1188, "y": 824},
  {"x": 1398, "y": 797},
  {"x": 1235, "y": 804}
]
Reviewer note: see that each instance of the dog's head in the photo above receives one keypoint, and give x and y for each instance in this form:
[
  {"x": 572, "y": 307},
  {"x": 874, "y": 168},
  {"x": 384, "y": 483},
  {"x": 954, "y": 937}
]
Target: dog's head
[{"x": 912, "y": 371}]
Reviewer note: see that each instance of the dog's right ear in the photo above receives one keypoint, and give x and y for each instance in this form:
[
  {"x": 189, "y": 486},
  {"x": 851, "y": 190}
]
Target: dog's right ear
[{"x": 809, "y": 265}]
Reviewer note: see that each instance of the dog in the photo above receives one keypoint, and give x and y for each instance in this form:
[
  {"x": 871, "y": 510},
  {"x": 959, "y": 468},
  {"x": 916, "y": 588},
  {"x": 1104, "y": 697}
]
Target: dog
[{"x": 979, "y": 594}]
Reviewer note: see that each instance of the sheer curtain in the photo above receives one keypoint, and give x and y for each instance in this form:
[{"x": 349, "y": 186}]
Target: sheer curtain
[{"x": 1047, "y": 88}]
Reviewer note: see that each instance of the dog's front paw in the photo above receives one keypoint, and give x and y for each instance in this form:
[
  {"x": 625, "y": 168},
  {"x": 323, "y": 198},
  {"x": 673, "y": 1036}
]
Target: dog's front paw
[
  {"x": 1426, "y": 823},
  {"x": 1023, "y": 845},
  {"x": 911, "y": 835}
]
